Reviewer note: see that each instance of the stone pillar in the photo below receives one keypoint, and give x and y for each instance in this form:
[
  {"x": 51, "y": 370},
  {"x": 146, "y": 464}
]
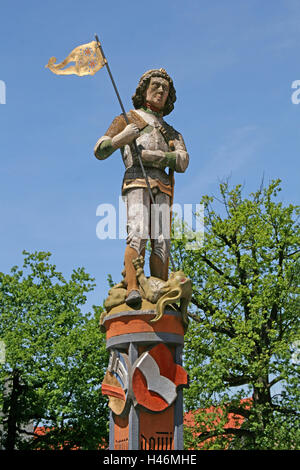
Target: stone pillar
[{"x": 144, "y": 379}]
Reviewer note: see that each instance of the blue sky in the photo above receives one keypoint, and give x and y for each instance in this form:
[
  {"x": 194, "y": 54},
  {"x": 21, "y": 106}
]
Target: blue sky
[{"x": 233, "y": 64}]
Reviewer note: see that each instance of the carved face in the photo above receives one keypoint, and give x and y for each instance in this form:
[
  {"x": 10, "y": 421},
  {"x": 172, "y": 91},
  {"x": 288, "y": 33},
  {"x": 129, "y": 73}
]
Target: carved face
[
  {"x": 179, "y": 276},
  {"x": 179, "y": 287},
  {"x": 157, "y": 92}
]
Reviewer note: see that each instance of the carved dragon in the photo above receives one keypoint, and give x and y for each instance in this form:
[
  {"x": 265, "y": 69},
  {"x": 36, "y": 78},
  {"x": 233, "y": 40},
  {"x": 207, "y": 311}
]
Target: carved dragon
[{"x": 178, "y": 288}]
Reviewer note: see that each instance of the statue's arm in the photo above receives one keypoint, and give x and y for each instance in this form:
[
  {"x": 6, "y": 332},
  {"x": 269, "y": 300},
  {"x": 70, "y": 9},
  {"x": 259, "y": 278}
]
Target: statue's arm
[
  {"x": 118, "y": 135},
  {"x": 179, "y": 156},
  {"x": 103, "y": 148},
  {"x": 177, "y": 159}
]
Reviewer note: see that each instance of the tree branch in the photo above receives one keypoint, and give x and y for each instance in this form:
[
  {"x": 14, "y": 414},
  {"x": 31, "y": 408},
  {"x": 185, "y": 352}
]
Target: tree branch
[
  {"x": 274, "y": 381},
  {"x": 236, "y": 381},
  {"x": 238, "y": 410},
  {"x": 225, "y": 432},
  {"x": 211, "y": 309},
  {"x": 207, "y": 308},
  {"x": 292, "y": 254},
  {"x": 286, "y": 411},
  {"x": 28, "y": 433},
  {"x": 219, "y": 271}
]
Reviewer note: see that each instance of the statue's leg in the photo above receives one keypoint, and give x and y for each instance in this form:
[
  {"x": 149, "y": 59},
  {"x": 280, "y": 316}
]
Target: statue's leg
[
  {"x": 157, "y": 265},
  {"x": 160, "y": 236},
  {"x": 137, "y": 228},
  {"x": 142, "y": 280},
  {"x": 130, "y": 254}
]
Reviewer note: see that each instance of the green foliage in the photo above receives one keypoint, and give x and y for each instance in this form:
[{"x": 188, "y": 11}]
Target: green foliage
[
  {"x": 54, "y": 358},
  {"x": 244, "y": 320}
]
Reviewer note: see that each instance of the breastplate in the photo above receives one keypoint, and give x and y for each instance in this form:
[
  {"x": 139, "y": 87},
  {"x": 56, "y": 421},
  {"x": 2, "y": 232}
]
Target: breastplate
[{"x": 150, "y": 139}]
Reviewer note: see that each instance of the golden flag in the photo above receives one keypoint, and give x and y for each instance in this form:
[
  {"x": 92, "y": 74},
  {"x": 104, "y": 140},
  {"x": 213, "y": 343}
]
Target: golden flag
[{"x": 88, "y": 60}]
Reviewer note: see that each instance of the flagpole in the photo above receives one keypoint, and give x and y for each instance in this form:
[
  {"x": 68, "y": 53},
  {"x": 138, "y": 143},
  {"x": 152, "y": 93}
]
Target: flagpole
[
  {"x": 112, "y": 79},
  {"x": 127, "y": 122}
]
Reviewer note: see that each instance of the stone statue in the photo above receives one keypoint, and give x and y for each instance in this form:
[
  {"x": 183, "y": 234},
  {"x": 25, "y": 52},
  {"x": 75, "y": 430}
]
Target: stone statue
[{"x": 160, "y": 147}]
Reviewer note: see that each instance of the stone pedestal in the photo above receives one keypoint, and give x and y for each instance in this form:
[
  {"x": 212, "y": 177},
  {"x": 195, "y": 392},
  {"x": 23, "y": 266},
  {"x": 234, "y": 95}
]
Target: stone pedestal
[{"x": 144, "y": 379}]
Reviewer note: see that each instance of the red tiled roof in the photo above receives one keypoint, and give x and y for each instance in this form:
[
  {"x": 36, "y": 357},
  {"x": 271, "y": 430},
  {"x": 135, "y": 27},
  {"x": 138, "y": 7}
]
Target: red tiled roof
[
  {"x": 42, "y": 431},
  {"x": 234, "y": 420}
]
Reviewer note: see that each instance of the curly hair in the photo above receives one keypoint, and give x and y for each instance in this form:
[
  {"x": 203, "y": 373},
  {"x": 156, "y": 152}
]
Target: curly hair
[{"x": 138, "y": 98}]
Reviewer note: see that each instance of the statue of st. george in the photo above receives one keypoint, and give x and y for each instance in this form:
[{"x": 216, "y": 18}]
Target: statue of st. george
[{"x": 160, "y": 147}]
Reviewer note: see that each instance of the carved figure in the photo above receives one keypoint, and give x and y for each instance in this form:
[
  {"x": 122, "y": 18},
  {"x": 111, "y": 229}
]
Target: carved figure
[
  {"x": 162, "y": 293},
  {"x": 161, "y": 147}
]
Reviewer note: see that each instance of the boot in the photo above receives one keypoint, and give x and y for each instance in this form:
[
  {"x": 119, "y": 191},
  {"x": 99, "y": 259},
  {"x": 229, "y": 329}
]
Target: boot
[
  {"x": 158, "y": 268},
  {"x": 133, "y": 298}
]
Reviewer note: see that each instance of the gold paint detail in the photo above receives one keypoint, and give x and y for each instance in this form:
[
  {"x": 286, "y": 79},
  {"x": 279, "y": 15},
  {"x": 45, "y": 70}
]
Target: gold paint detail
[{"x": 87, "y": 58}]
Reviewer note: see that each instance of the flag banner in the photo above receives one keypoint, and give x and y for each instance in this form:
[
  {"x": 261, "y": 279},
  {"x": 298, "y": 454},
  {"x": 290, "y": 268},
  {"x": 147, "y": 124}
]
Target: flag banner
[{"x": 88, "y": 60}]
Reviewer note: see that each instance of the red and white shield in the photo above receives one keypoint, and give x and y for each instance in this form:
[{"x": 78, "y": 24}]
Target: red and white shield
[{"x": 156, "y": 378}]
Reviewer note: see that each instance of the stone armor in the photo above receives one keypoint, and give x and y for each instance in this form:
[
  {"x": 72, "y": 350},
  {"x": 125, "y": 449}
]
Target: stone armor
[{"x": 155, "y": 136}]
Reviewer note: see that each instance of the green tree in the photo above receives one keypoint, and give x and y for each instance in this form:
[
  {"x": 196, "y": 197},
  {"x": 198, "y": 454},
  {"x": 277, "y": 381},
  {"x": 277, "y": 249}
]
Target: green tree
[
  {"x": 244, "y": 322},
  {"x": 54, "y": 359}
]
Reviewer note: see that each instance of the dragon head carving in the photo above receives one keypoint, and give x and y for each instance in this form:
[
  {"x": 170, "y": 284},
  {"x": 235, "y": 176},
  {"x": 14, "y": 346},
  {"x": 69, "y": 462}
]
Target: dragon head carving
[{"x": 177, "y": 288}]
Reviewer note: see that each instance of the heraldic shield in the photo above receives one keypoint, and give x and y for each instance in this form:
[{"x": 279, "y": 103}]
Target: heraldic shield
[
  {"x": 156, "y": 377},
  {"x": 144, "y": 379},
  {"x": 117, "y": 383},
  {"x": 151, "y": 382}
]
